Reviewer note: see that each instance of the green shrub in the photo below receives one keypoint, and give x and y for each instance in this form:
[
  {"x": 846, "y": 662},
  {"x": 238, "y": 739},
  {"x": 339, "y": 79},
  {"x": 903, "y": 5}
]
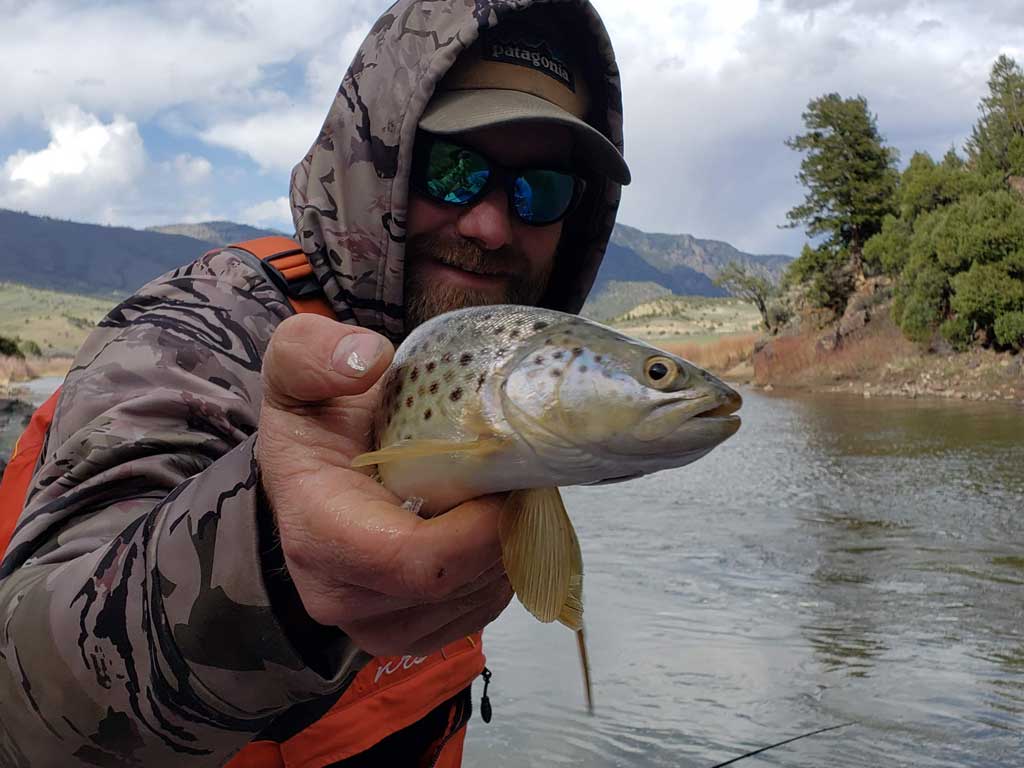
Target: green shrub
[
  {"x": 1010, "y": 329},
  {"x": 923, "y": 306},
  {"x": 981, "y": 229},
  {"x": 959, "y": 332},
  {"x": 30, "y": 347},
  {"x": 985, "y": 292},
  {"x": 9, "y": 347},
  {"x": 888, "y": 251}
]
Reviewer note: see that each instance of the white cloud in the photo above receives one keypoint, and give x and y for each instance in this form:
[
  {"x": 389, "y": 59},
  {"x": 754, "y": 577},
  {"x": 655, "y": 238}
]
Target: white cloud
[
  {"x": 142, "y": 58},
  {"x": 711, "y": 91},
  {"x": 192, "y": 170},
  {"x": 270, "y": 213},
  {"x": 276, "y": 140},
  {"x": 84, "y": 169}
]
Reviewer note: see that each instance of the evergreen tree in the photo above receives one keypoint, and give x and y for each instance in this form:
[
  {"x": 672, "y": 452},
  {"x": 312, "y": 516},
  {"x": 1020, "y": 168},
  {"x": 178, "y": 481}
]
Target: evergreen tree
[
  {"x": 996, "y": 144},
  {"x": 851, "y": 178},
  {"x": 849, "y": 174}
]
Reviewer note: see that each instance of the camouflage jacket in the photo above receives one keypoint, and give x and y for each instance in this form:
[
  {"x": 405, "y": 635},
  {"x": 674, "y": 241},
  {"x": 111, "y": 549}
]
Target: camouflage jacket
[{"x": 138, "y": 626}]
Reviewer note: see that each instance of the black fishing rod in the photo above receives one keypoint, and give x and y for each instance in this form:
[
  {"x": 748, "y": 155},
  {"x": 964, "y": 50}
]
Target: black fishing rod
[{"x": 781, "y": 743}]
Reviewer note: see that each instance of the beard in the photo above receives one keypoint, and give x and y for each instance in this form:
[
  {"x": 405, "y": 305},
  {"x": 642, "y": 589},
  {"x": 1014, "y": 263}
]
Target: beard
[{"x": 424, "y": 299}]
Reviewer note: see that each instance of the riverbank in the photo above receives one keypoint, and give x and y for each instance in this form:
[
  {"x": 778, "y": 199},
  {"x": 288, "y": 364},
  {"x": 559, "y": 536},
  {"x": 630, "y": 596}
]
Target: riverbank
[
  {"x": 872, "y": 358},
  {"x": 24, "y": 384}
]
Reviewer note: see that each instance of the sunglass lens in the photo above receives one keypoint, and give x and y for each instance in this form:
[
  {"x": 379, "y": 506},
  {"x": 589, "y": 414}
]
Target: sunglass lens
[
  {"x": 543, "y": 196},
  {"x": 454, "y": 174}
]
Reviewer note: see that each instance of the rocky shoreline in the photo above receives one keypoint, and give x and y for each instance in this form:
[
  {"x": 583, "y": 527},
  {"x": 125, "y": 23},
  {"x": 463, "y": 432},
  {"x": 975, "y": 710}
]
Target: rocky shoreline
[{"x": 867, "y": 355}]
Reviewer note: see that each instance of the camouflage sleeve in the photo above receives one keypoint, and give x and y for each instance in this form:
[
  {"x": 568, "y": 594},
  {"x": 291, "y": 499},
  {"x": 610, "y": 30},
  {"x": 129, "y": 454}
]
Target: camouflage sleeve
[{"x": 135, "y": 622}]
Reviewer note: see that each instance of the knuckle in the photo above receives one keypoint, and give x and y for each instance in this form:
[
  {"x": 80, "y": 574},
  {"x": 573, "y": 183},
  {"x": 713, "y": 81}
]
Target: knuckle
[{"x": 431, "y": 582}]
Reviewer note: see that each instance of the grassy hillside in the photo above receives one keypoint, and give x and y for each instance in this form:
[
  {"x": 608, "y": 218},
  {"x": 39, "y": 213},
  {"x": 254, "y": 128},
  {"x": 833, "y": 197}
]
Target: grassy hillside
[
  {"x": 684, "y": 317},
  {"x": 58, "y": 322},
  {"x": 712, "y": 331},
  {"x": 619, "y": 296}
]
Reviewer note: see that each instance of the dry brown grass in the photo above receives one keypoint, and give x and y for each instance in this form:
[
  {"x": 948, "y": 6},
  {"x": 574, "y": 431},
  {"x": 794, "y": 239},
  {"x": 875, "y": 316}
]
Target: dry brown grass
[
  {"x": 717, "y": 355},
  {"x": 14, "y": 369},
  {"x": 800, "y": 360}
]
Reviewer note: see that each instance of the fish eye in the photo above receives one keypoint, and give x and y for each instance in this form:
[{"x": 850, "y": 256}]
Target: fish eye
[{"x": 661, "y": 372}]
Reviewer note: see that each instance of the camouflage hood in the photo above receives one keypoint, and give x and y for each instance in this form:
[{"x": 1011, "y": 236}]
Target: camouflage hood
[{"x": 349, "y": 194}]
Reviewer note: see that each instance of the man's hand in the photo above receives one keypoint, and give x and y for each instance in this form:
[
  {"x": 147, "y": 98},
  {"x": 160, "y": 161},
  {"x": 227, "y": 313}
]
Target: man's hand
[{"x": 392, "y": 581}]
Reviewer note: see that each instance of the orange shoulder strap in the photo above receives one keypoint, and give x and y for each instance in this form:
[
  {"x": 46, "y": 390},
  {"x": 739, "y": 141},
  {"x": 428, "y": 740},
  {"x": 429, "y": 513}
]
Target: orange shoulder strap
[
  {"x": 289, "y": 269},
  {"x": 18, "y": 475}
]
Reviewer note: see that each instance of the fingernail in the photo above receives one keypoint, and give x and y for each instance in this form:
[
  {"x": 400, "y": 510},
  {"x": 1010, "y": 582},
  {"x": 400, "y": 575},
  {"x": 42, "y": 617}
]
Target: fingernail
[{"x": 356, "y": 354}]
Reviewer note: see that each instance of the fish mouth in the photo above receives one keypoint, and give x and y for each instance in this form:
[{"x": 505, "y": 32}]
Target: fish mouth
[
  {"x": 708, "y": 419},
  {"x": 733, "y": 403}
]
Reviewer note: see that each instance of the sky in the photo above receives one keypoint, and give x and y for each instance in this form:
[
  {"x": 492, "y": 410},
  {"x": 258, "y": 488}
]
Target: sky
[{"x": 147, "y": 113}]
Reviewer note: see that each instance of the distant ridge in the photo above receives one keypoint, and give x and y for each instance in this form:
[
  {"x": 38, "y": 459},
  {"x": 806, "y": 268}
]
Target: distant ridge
[
  {"x": 87, "y": 258},
  {"x": 218, "y": 232},
  {"x": 100, "y": 260},
  {"x": 668, "y": 252}
]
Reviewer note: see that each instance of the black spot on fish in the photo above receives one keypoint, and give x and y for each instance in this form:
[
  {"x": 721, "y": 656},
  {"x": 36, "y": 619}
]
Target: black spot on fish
[
  {"x": 540, "y": 325},
  {"x": 555, "y": 373},
  {"x": 456, "y": 394},
  {"x": 415, "y": 374},
  {"x": 466, "y": 359},
  {"x": 431, "y": 366},
  {"x": 558, "y": 355},
  {"x": 433, "y": 388},
  {"x": 428, "y": 413},
  {"x": 599, "y": 358},
  {"x": 539, "y": 360},
  {"x": 480, "y": 381},
  {"x": 514, "y": 333},
  {"x": 548, "y": 342},
  {"x": 577, "y": 350},
  {"x": 583, "y": 369},
  {"x": 408, "y": 402}
]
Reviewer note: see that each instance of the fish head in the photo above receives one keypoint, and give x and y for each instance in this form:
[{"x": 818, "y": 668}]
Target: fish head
[{"x": 612, "y": 406}]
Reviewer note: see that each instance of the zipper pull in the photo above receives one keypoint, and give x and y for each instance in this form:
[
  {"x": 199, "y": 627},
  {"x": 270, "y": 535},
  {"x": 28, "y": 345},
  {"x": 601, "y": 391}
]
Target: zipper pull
[{"x": 485, "y": 703}]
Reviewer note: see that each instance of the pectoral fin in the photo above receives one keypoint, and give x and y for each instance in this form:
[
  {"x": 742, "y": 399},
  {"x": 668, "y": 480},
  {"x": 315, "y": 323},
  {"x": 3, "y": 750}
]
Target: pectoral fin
[
  {"x": 542, "y": 555},
  {"x": 418, "y": 449}
]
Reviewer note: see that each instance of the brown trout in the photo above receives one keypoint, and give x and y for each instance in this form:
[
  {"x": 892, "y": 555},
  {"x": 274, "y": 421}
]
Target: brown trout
[{"x": 523, "y": 399}]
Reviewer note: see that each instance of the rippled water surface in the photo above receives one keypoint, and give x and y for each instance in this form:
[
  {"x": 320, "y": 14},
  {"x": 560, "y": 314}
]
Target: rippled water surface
[{"x": 837, "y": 560}]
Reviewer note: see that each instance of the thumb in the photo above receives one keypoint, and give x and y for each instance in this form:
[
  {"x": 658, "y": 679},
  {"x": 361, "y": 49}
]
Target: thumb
[{"x": 313, "y": 358}]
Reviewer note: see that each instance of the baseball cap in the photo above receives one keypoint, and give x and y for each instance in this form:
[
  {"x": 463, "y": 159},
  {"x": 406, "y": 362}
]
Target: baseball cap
[{"x": 523, "y": 70}]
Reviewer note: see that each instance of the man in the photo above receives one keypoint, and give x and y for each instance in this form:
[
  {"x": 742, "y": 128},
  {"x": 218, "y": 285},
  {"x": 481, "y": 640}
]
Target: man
[{"x": 197, "y": 571}]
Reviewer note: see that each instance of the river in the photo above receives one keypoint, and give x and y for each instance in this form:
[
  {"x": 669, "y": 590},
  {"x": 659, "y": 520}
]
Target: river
[{"x": 838, "y": 560}]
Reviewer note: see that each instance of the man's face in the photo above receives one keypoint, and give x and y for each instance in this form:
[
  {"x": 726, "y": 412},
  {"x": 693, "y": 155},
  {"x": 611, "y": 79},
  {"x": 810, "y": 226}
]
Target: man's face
[{"x": 482, "y": 254}]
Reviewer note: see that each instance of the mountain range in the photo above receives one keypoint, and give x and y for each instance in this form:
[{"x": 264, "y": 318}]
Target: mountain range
[{"x": 102, "y": 260}]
